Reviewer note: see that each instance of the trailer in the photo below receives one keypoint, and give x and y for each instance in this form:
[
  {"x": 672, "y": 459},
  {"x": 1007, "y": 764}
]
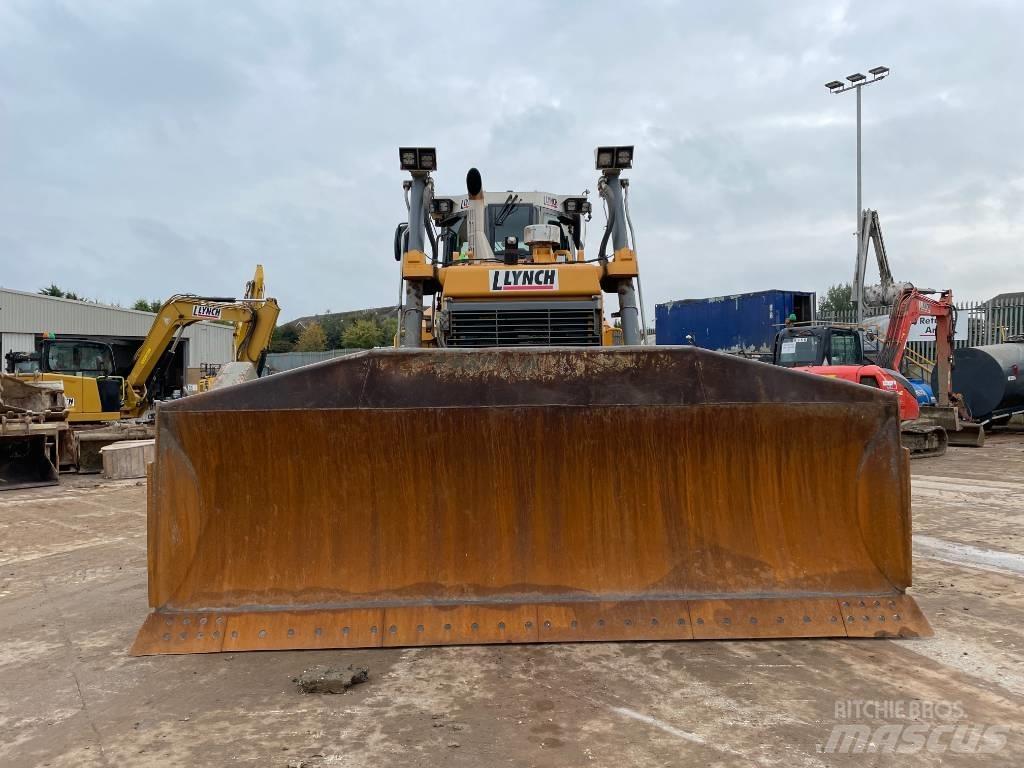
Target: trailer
[{"x": 742, "y": 323}]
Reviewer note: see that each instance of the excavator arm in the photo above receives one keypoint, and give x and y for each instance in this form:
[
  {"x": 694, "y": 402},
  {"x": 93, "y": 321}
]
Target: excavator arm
[
  {"x": 253, "y": 319},
  {"x": 252, "y": 336},
  {"x": 887, "y": 290},
  {"x": 911, "y": 304}
]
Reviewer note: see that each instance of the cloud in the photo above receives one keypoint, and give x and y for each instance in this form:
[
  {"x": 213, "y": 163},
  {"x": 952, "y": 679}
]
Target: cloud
[{"x": 159, "y": 147}]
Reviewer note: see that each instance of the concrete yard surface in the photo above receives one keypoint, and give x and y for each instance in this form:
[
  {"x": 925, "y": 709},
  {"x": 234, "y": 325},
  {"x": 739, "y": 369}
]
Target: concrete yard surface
[{"x": 73, "y": 594}]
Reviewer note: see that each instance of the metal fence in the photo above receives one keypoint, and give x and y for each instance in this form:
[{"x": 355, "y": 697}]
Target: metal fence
[
  {"x": 987, "y": 322},
  {"x": 285, "y": 361}
]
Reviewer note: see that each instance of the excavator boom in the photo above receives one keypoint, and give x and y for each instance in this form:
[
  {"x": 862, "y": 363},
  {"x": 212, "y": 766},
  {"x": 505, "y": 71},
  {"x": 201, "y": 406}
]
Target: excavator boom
[{"x": 254, "y": 324}]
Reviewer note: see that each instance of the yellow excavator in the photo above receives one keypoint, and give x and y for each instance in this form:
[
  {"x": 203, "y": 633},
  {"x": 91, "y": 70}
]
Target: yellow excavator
[
  {"x": 251, "y": 338},
  {"x": 505, "y": 475},
  {"x": 86, "y": 370}
]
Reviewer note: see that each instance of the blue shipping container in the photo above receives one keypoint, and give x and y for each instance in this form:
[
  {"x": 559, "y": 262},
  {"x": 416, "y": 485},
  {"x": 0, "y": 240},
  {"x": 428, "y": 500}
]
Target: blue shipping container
[{"x": 743, "y": 322}]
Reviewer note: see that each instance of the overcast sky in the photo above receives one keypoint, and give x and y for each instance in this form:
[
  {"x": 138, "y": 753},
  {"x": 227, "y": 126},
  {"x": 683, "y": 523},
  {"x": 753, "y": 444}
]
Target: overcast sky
[{"x": 157, "y": 147}]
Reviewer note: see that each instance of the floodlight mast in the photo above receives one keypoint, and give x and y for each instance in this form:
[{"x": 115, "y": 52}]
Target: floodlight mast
[{"x": 856, "y": 82}]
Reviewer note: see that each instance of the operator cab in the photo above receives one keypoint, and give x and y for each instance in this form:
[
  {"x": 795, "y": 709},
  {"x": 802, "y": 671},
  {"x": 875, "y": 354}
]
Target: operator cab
[
  {"x": 70, "y": 357},
  {"x": 77, "y": 358},
  {"x": 505, "y": 216},
  {"x": 818, "y": 345}
]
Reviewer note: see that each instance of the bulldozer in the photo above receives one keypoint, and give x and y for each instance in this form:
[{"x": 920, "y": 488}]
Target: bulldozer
[{"x": 504, "y": 475}]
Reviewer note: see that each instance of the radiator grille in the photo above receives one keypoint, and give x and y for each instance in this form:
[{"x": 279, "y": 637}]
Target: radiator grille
[{"x": 526, "y": 323}]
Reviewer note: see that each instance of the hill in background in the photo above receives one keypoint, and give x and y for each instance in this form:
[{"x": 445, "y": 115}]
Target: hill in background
[{"x": 358, "y": 329}]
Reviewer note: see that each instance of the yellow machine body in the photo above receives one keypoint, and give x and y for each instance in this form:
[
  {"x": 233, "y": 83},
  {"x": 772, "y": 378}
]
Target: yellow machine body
[
  {"x": 82, "y": 394},
  {"x": 518, "y": 470},
  {"x": 253, "y": 319}
]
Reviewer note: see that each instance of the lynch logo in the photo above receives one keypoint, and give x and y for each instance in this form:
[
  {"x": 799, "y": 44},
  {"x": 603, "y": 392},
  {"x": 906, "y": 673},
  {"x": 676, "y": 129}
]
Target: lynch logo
[
  {"x": 202, "y": 310},
  {"x": 524, "y": 279}
]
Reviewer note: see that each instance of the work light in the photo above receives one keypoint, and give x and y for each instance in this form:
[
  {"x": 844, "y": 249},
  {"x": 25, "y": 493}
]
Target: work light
[
  {"x": 576, "y": 205},
  {"x": 418, "y": 159},
  {"x": 442, "y": 206},
  {"x": 613, "y": 158}
]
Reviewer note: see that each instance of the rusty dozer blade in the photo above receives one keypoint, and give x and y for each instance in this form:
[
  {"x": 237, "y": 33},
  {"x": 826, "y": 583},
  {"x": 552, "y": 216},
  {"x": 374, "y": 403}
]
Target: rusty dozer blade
[{"x": 426, "y": 497}]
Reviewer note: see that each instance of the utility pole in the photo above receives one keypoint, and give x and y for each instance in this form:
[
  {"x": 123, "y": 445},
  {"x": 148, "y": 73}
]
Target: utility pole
[{"x": 856, "y": 82}]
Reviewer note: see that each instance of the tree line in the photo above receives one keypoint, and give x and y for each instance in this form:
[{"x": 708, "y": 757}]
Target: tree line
[
  {"x": 335, "y": 333},
  {"x": 141, "y": 304},
  {"x": 837, "y": 299}
]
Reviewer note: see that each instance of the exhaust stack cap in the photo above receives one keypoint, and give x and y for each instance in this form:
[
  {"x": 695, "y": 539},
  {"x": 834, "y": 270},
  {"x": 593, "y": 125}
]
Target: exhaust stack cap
[{"x": 474, "y": 184}]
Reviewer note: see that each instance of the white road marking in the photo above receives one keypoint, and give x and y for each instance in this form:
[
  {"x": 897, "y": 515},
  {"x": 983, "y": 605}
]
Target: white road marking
[
  {"x": 973, "y": 557},
  {"x": 669, "y": 729},
  {"x": 5, "y": 561},
  {"x": 964, "y": 484}
]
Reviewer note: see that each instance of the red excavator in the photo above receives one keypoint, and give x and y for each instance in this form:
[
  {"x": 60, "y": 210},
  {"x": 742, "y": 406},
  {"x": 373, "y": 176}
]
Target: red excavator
[
  {"x": 839, "y": 352},
  {"x": 854, "y": 352}
]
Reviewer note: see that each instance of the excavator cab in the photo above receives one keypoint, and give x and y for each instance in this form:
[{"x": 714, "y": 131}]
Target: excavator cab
[
  {"x": 85, "y": 368},
  {"x": 818, "y": 345},
  {"x": 92, "y": 359}
]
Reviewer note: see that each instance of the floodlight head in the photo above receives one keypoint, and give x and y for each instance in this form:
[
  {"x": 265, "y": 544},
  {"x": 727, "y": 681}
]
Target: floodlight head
[
  {"x": 834, "y": 85},
  {"x": 879, "y": 71},
  {"x": 418, "y": 160},
  {"x": 576, "y": 205},
  {"x": 856, "y": 77},
  {"x": 613, "y": 158},
  {"x": 441, "y": 207}
]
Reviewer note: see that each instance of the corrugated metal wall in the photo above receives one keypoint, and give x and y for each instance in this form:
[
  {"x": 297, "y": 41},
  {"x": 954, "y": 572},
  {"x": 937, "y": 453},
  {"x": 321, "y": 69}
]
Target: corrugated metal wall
[
  {"x": 29, "y": 313},
  {"x": 209, "y": 343},
  {"x": 16, "y": 342},
  {"x": 743, "y": 322}
]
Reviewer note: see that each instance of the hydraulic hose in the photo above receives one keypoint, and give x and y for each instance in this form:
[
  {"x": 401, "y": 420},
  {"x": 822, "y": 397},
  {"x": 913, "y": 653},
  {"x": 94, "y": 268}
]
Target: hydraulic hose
[
  {"x": 428, "y": 225},
  {"x": 401, "y": 301},
  {"x": 639, "y": 285},
  {"x": 602, "y": 254}
]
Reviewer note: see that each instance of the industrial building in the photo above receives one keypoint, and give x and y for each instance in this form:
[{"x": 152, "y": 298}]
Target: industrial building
[{"x": 26, "y": 317}]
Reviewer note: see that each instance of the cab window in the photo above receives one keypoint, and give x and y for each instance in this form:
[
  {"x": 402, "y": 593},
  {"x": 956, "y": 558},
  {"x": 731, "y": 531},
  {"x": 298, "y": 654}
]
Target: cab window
[
  {"x": 508, "y": 221},
  {"x": 845, "y": 349},
  {"x": 799, "y": 350},
  {"x": 75, "y": 357}
]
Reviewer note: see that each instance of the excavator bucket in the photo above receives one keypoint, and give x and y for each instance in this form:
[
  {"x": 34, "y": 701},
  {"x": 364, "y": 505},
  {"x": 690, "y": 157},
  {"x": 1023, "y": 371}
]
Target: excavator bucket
[{"x": 428, "y": 497}]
